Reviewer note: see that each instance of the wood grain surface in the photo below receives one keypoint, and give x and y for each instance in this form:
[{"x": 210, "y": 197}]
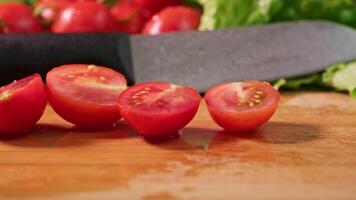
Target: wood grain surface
[{"x": 307, "y": 151}]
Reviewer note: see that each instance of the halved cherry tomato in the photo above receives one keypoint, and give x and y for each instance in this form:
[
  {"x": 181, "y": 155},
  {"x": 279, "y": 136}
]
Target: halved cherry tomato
[
  {"x": 175, "y": 18},
  {"x": 47, "y": 10},
  {"x": 242, "y": 106},
  {"x": 21, "y": 105},
  {"x": 158, "y": 108},
  {"x": 84, "y": 16},
  {"x": 85, "y": 95},
  {"x": 18, "y": 18},
  {"x": 129, "y": 16},
  {"x": 151, "y": 7}
]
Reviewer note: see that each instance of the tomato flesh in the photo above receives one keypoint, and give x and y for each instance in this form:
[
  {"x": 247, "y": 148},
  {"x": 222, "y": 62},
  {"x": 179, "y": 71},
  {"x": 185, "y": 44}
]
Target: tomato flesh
[
  {"x": 242, "y": 106},
  {"x": 84, "y": 16},
  {"x": 158, "y": 108},
  {"x": 18, "y": 18},
  {"x": 171, "y": 19},
  {"x": 85, "y": 95},
  {"x": 22, "y": 104}
]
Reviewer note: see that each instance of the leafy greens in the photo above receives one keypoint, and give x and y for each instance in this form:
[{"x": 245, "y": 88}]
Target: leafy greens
[{"x": 218, "y": 14}]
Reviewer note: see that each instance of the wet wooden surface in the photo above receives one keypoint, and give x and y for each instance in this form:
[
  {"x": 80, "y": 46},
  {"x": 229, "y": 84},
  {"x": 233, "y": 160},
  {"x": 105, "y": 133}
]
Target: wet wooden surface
[{"x": 307, "y": 151}]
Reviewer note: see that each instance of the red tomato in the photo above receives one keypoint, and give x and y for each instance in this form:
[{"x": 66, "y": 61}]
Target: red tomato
[
  {"x": 85, "y": 95},
  {"x": 21, "y": 105},
  {"x": 178, "y": 18},
  {"x": 129, "y": 17},
  {"x": 47, "y": 10},
  {"x": 18, "y": 18},
  {"x": 158, "y": 108},
  {"x": 242, "y": 106},
  {"x": 152, "y": 7},
  {"x": 85, "y": 16}
]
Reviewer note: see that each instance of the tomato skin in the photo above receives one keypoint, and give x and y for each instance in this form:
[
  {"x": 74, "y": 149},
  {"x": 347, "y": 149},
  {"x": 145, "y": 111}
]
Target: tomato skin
[
  {"x": 24, "y": 106},
  {"x": 18, "y": 18},
  {"x": 86, "y": 111},
  {"x": 151, "y": 7},
  {"x": 85, "y": 16},
  {"x": 244, "y": 119},
  {"x": 129, "y": 16},
  {"x": 154, "y": 122},
  {"x": 171, "y": 19},
  {"x": 47, "y": 10}
]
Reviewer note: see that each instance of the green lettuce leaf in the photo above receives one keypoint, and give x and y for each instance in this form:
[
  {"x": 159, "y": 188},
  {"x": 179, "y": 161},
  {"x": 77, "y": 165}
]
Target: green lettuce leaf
[
  {"x": 220, "y": 14},
  {"x": 341, "y": 77},
  {"x": 231, "y": 13},
  {"x": 304, "y": 82},
  {"x": 224, "y": 14}
]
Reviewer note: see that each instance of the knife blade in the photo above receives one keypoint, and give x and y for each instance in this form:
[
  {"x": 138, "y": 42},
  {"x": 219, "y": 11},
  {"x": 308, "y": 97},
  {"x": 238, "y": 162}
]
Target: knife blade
[{"x": 198, "y": 59}]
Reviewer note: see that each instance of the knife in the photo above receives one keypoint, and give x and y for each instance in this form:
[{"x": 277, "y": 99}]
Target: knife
[{"x": 198, "y": 59}]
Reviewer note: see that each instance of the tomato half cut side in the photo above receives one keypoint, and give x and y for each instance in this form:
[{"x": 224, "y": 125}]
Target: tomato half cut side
[
  {"x": 157, "y": 109},
  {"x": 22, "y": 104},
  {"x": 85, "y": 95},
  {"x": 242, "y": 106}
]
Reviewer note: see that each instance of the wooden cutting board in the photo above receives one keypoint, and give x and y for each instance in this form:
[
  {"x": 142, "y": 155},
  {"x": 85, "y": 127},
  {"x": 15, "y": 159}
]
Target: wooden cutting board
[{"x": 307, "y": 151}]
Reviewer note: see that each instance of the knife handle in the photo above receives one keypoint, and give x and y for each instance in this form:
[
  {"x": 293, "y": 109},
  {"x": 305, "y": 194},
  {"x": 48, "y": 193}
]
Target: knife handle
[{"x": 25, "y": 54}]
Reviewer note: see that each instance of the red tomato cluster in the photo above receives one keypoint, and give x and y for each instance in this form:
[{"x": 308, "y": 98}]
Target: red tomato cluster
[
  {"x": 94, "y": 96},
  {"x": 69, "y": 16}
]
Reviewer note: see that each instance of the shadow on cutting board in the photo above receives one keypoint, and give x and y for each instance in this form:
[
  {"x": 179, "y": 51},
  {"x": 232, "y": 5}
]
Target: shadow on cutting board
[
  {"x": 272, "y": 132},
  {"x": 289, "y": 133},
  {"x": 48, "y": 135}
]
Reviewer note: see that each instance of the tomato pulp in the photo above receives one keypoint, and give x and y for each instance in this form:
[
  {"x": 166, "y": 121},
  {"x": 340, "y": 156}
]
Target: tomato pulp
[
  {"x": 22, "y": 104},
  {"x": 85, "y": 95},
  {"x": 242, "y": 106},
  {"x": 158, "y": 108}
]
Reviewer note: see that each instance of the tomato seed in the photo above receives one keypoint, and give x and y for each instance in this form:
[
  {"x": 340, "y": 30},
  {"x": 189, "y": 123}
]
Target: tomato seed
[
  {"x": 143, "y": 92},
  {"x": 256, "y": 96},
  {"x": 4, "y": 96},
  {"x": 91, "y": 67},
  {"x": 257, "y": 101}
]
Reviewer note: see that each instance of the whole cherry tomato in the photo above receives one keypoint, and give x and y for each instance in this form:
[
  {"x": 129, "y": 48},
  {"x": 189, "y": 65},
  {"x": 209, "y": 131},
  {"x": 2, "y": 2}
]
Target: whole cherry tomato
[
  {"x": 86, "y": 16},
  {"x": 47, "y": 10},
  {"x": 129, "y": 16},
  {"x": 18, "y": 18},
  {"x": 176, "y": 18},
  {"x": 151, "y": 7}
]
